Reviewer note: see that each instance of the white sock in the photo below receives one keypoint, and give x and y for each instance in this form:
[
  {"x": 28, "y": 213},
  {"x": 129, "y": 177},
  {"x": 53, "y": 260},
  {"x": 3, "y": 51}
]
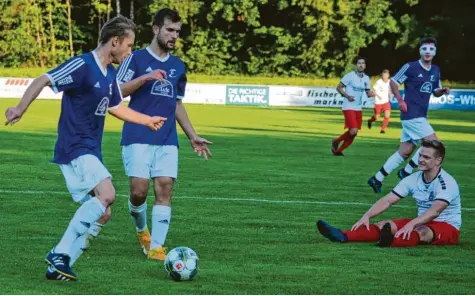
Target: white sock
[
  {"x": 139, "y": 215},
  {"x": 160, "y": 221},
  {"x": 82, "y": 220},
  {"x": 82, "y": 243},
  {"x": 391, "y": 164},
  {"x": 413, "y": 162}
]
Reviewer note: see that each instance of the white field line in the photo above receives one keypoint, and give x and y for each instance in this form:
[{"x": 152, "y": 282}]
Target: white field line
[{"x": 257, "y": 200}]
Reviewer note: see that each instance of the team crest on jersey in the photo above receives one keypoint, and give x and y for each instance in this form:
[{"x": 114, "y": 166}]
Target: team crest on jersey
[
  {"x": 102, "y": 107},
  {"x": 162, "y": 88},
  {"x": 426, "y": 87}
]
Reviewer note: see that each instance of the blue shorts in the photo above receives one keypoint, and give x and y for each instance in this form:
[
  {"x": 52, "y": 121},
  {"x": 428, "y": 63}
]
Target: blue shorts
[
  {"x": 82, "y": 175},
  {"x": 414, "y": 130},
  {"x": 150, "y": 161}
]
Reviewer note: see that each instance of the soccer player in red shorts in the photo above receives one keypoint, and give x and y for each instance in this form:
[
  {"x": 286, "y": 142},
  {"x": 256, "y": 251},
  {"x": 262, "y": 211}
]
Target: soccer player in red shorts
[
  {"x": 439, "y": 211},
  {"x": 352, "y": 88},
  {"x": 381, "y": 101}
]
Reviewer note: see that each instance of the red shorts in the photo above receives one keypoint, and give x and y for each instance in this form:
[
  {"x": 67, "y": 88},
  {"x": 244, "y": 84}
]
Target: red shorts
[
  {"x": 444, "y": 233},
  {"x": 378, "y": 108},
  {"x": 353, "y": 118}
]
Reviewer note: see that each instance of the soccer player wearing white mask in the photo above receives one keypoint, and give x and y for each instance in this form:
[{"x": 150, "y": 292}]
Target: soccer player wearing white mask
[
  {"x": 156, "y": 82},
  {"x": 352, "y": 88},
  {"x": 421, "y": 80},
  {"x": 381, "y": 101},
  {"x": 90, "y": 91},
  {"x": 439, "y": 215}
]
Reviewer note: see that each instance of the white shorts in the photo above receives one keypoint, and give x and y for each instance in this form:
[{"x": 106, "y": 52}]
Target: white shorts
[
  {"x": 150, "y": 161},
  {"x": 414, "y": 130},
  {"x": 82, "y": 175}
]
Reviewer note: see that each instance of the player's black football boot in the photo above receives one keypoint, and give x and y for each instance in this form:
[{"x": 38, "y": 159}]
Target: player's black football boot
[
  {"x": 386, "y": 237},
  {"x": 375, "y": 184},
  {"x": 330, "y": 232}
]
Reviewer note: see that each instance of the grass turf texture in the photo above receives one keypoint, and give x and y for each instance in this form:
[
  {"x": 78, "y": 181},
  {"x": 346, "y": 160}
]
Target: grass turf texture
[
  {"x": 229, "y": 79},
  {"x": 230, "y": 209}
]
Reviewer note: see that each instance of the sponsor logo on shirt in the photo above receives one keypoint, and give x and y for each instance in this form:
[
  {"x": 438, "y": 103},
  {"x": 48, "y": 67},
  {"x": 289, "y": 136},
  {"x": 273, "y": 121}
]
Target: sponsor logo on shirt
[
  {"x": 162, "y": 88},
  {"x": 102, "y": 107}
]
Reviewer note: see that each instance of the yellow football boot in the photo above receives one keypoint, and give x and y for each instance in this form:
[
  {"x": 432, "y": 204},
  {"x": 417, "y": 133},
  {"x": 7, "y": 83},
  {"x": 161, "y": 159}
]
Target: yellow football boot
[
  {"x": 144, "y": 240},
  {"x": 158, "y": 254}
]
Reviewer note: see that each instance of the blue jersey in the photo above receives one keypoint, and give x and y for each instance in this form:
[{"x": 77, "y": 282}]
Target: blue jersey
[
  {"x": 88, "y": 92},
  {"x": 419, "y": 84},
  {"x": 154, "y": 98}
]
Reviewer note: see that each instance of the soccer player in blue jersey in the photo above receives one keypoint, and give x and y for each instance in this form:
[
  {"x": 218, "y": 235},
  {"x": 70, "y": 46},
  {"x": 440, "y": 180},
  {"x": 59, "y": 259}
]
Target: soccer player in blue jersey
[
  {"x": 154, "y": 155},
  {"x": 90, "y": 91},
  {"x": 421, "y": 80}
]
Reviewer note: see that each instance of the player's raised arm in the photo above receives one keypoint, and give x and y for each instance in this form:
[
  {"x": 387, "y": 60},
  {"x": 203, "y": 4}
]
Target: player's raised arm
[
  {"x": 14, "y": 114},
  {"x": 380, "y": 206},
  {"x": 126, "y": 114}
]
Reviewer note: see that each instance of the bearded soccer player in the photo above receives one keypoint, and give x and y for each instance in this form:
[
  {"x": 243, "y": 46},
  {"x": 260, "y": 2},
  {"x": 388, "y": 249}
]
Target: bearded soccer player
[
  {"x": 439, "y": 216},
  {"x": 421, "y": 80},
  {"x": 381, "y": 101},
  {"x": 90, "y": 91},
  {"x": 352, "y": 88},
  {"x": 156, "y": 81}
]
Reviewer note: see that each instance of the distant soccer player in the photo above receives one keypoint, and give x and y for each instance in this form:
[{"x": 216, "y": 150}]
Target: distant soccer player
[
  {"x": 352, "y": 87},
  {"x": 90, "y": 90},
  {"x": 382, "y": 96},
  {"x": 154, "y": 155},
  {"x": 421, "y": 79},
  {"x": 439, "y": 216}
]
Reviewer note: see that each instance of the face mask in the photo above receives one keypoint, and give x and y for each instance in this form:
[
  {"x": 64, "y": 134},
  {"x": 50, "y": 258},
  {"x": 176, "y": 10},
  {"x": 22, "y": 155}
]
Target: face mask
[{"x": 427, "y": 49}]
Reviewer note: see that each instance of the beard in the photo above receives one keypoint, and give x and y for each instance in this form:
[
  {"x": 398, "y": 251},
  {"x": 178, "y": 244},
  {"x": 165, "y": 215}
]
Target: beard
[{"x": 162, "y": 45}]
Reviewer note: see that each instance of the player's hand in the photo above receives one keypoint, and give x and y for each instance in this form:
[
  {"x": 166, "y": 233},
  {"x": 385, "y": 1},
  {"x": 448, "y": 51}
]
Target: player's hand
[
  {"x": 158, "y": 74},
  {"x": 156, "y": 122},
  {"x": 364, "y": 221},
  {"x": 405, "y": 232},
  {"x": 13, "y": 115},
  {"x": 371, "y": 93},
  {"x": 446, "y": 91},
  {"x": 402, "y": 106},
  {"x": 200, "y": 145},
  {"x": 351, "y": 98}
]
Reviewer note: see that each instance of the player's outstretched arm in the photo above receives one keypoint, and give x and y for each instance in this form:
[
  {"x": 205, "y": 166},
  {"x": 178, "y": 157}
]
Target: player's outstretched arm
[
  {"x": 129, "y": 87},
  {"x": 397, "y": 94},
  {"x": 126, "y": 114},
  {"x": 433, "y": 212},
  {"x": 200, "y": 145},
  {"x": 380, "y": 206},
  {"x": 14, "y": 114}
]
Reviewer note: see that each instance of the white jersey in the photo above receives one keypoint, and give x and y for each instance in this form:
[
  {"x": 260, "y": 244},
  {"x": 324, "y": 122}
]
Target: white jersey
[
  {"x": 382, "y": 90},
  {"x": 355, "y": 86},
  {"x": 443, "y": 187}
]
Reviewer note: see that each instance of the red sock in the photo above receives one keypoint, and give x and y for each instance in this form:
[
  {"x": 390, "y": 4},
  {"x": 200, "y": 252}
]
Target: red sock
[
  {"x": 346, "y": 144},
  {"x": 413, "y": 241},
  {"x": 372, "y": 119},
  {"x": 342, "y": 137},
  {"x": 364, "y": 235},
  {"x": 385, "y": 123}
]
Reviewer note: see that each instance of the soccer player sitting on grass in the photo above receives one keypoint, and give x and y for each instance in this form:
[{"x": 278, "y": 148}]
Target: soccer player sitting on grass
[{"x": 439, "y": 212}]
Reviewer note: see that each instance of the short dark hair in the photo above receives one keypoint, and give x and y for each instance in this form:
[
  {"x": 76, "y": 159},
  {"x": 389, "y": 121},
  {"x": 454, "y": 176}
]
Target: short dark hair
[
  {"x": 428, "y": 39},
  {"x": 436, "y": 145},
  {"x": 166, "y": 13},
  {"x": 359, "y": 58},
  {"x": 386, "y": 71},
  {"x": 116, "y": 27}
]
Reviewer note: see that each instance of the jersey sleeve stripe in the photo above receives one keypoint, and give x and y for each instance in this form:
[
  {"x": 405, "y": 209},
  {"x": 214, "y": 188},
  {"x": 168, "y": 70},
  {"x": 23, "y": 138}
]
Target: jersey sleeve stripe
[
  {"x": 400, "y": 196},
  {"x": 53, "y": 86},
  {"x": 124, "y": 67},
  {"x": 400, "y": 75},
  {"x": 67, "y": 70},
  {"x": 443, "y": 200}
]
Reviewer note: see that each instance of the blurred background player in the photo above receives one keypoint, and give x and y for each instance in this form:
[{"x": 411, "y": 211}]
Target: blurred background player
[
  {"x": 439, "y": 216},
  {"x": 421, "y": 80},
  {"x": 90, "y": 90},
  {"x": 381, "y": 101},
  {"x": 156, "y": 81},
  {"x": 352, "y": 88}
]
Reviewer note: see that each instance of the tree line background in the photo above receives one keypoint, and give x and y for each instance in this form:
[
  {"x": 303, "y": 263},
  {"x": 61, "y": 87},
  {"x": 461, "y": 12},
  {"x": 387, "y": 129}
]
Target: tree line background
[{"x": 298, "y": 38}]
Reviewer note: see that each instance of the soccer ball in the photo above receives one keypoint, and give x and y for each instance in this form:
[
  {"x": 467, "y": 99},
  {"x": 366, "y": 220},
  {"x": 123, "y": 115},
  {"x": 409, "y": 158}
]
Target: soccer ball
[{"x": 181, "y": 264}]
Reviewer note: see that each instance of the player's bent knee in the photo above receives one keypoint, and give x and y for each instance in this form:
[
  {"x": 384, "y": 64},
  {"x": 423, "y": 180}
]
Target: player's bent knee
[
  {"x": 138, "y": 194},
  {"x": 107, "y": 197},
  {"x": 426, "y": 235}
]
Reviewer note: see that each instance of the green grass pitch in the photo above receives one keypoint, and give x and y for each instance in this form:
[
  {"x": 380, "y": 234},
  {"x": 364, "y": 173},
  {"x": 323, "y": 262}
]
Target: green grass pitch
[{"x": 249, "y": 212}]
